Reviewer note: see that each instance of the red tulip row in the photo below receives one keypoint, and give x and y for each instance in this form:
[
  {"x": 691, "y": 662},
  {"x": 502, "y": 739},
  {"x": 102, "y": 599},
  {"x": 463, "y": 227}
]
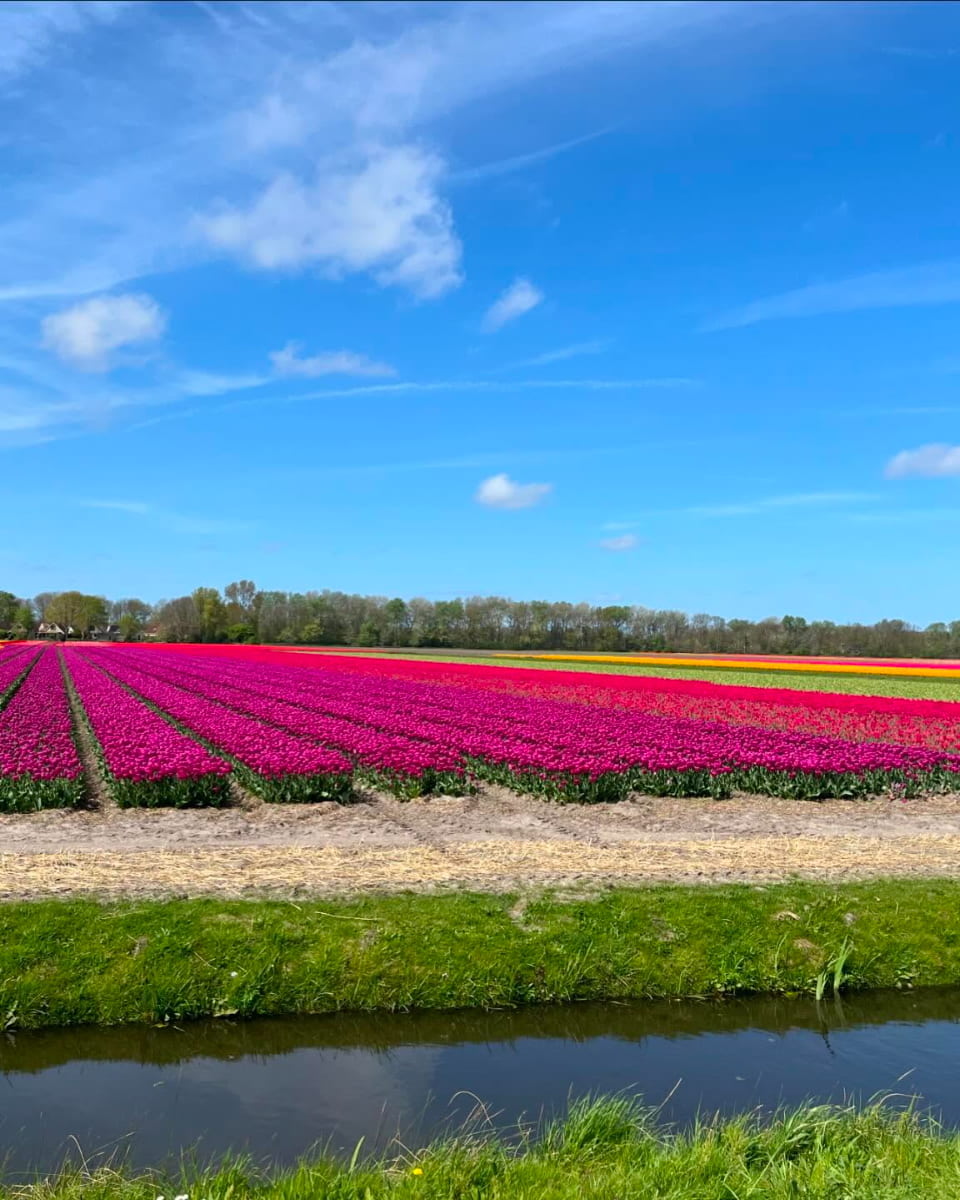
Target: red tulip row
[{"x": 39, "y": 764}]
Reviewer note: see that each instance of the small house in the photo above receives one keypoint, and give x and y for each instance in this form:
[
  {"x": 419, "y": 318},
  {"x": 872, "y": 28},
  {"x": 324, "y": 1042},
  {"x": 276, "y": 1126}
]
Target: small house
[{"x": 50, "y": 629}]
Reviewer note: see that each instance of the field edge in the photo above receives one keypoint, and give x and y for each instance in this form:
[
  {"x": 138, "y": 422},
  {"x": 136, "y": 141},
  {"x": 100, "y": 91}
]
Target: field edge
[{"x": 70, "y": 962}]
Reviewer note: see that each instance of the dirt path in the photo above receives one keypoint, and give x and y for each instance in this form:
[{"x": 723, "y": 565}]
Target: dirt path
[{"x": 493, "y": 840}]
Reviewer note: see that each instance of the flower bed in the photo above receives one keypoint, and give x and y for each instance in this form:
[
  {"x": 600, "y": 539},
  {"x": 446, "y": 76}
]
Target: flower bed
[
  {"x": 276, "y": 765},
  {"x": 564, "y": 750},
  {"x": 39, "y": 763},
  {"x": 147, "y": 763}
]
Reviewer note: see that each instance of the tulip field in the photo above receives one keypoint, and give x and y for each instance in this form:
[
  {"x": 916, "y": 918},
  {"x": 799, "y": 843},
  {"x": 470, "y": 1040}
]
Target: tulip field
[{"x": 181, "y": 725}]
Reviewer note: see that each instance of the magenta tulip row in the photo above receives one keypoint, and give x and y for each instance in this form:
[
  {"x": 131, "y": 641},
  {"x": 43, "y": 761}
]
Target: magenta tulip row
[
  {"x": 13, "y": 663},
  {"x": 39, "y": 763},
  {"x": 221, "y": 711},
  {"x": 146, "y": 760},
  {"x": 276, "y": 764},
  {"x": 408, "y": 728}
]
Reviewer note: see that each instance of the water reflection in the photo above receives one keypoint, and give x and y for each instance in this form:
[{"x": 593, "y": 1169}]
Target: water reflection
[{"x": 274, "y": 1088}]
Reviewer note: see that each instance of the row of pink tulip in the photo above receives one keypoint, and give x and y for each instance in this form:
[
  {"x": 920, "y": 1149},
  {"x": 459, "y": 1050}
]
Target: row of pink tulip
[
  {"x": 39, "y": 763},
  {"x": 273, "y": 763},
  {"x": 147, "y": 762},
  {"x": 13, "y": 663},
  {"x": 395, "y": 756}
]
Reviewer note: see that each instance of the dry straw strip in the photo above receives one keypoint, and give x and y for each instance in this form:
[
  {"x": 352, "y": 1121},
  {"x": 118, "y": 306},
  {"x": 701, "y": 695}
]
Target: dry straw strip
[{"x": 488, "y": 865}]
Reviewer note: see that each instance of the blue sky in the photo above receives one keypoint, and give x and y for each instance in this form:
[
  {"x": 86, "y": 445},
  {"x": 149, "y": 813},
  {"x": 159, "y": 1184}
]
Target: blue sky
[{"x": 633, "y": 303}]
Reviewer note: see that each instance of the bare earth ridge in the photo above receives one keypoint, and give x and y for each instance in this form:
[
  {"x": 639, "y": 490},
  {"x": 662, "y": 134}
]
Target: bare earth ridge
[{"x": 494, "y": 840}]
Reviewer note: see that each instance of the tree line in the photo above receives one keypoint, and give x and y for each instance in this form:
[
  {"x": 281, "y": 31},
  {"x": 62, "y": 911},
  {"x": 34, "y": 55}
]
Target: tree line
[{"x": 244, "y": 613}]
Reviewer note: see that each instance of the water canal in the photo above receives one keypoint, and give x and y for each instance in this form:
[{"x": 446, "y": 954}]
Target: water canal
[{"x": 277, "y": 1088}]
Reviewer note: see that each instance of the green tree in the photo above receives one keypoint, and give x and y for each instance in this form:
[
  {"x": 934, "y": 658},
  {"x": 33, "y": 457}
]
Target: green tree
[
  {"x": 76, "y": 611},
  {"x": 177, "y": 620},
  {"x": 93, "y": 615},
  {"x": 23, "y": 620},
  {"x": 368, "y": 634},
  {"x": 8, "y": 608},
  {"x": 211, "y": 614},
  {"x": 397, "y": 621}
]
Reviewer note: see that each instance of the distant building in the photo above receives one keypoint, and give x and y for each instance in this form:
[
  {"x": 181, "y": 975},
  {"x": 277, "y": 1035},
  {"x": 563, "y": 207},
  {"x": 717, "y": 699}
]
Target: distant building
[
  {"x": 51, "y": 629},
  {"x": 104, "y": 633}
]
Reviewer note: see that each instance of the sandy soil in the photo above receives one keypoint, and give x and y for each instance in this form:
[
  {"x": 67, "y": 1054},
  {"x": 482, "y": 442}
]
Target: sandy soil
[{"x": 492, "y": 840}]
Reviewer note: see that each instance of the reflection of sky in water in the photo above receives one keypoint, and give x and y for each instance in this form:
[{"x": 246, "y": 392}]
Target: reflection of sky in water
[{"x": 277, "y": 1105}]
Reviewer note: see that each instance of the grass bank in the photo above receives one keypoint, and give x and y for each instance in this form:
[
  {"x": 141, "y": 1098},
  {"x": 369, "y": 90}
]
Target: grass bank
[
  {"x": 80, "y": 962},
  {"x": 605, "y": 1150}
]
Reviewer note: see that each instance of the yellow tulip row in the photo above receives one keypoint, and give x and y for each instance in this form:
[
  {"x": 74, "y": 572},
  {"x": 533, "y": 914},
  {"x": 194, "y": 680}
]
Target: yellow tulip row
[{"x": 792, "y": 665}]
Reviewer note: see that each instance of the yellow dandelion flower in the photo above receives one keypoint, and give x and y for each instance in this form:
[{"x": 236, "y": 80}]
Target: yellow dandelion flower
[{"x": 416, "y": 1171}]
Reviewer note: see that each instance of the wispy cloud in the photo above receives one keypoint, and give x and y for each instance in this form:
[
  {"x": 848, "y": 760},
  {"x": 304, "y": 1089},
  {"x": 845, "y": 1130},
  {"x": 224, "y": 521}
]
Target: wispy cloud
[
  {"x": 903, "y": 410},
  {"x": 500, "y": 491},
  {"x": 26, "y": 418},
  {"x": 905, "y": 516},
  {"x": 520, "y": 162},
  {"x": 289, "y": 361},
  {"x": 576, "y": 350},
  {"x": 936, "y": 460},
  {"x": 486, "y": 459},
  {"x": 213, "y": 383},
  {"x": 33, "y": 31},
  {"x": 519, "y": 298},
  {"x": 828, "y": 218},
  {"x": 174, "y": 522},
  {"x": 925, "y": 284},
  {"x": 313, "y": 145},
  {"x": 769, "y": 504},
  {"x": 134, "y": 507},
  {"x": 923, "y": 53},
  {"x": 617, "y": 545}
]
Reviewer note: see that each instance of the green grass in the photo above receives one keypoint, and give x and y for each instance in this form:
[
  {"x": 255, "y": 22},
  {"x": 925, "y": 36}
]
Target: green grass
[
  {"x": 860, "y": 685},
  {"x": 603, "y": 1150},
  {"x": 80, "y": 962}
]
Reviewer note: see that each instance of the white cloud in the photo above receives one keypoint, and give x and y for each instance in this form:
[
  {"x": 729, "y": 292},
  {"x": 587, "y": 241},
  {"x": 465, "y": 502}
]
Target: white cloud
[
  {"x": 931, "y": 461},
  {"x": 519, "y": 298},
  {"x": 86, "y": 334},
  {"x": 926, "y": 284},
  {"x": 335, "y": 362},
  {"x": 626, "y": 541},
  {"x": 500, "y": 491},
  {"x": 383, "y": 216}
]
